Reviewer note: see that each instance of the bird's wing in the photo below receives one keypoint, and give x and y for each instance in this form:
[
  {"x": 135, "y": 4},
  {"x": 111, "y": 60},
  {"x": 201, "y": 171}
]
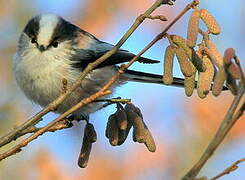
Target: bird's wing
[{"x": 86, "y": 56}]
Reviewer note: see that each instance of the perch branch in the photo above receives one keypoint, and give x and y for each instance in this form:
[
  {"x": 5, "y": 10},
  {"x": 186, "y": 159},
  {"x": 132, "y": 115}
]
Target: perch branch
[{"x": 228, "y": 122}]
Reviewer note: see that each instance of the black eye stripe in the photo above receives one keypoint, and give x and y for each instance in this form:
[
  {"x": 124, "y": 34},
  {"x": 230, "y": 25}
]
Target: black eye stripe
[{"x": 32, "y": 28}]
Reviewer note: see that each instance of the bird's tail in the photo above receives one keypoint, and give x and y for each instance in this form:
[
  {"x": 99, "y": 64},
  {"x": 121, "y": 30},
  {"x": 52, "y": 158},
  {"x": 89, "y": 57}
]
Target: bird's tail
[
  {"x": 153, "y": 78},
  {"x": 150, "y": 78}
]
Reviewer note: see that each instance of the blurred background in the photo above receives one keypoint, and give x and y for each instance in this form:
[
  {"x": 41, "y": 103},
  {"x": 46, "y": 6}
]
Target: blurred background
[{"x": 181, "y": 126}]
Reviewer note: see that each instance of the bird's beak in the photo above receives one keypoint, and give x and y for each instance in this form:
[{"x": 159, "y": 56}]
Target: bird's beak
[{"x": 42, "y": 48}]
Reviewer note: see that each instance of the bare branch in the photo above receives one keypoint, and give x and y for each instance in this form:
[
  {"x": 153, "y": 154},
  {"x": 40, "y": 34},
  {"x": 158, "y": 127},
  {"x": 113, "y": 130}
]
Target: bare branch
[
  {"x": 228, "y": 122},
  {"x": 228, "y": 170}
]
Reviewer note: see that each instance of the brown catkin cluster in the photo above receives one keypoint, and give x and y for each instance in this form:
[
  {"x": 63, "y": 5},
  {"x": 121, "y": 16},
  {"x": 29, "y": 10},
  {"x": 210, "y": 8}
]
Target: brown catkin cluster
[
  {"x": 213, "y": 69},
  {"x": 120, "y": 123}
]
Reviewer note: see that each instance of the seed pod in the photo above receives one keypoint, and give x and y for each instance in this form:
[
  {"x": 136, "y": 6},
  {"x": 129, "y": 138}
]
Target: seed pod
[
  {"x": 205, "y": 78},
  {"x": 193, "y": 27},
  {"x": 234, "y": 71},
  {"x": 210, "y": 22},
  {"x": 214, "y": 53},
  {"x": 192, "y": 55},
  {"x": 149, "y": 141},
  {"x": 90, "y": 132},
  {"x": 189, "y": 84},
  {"x": 168, "y": 65},
  {"x": 231, "y": 84},
  {"x": 121, "y": 119},
  {"x": 85, "y": 152},
  {"x": 219, "y": 79},
  {"x": 229, "y": 55},
  {"x": 138, "y": 125},
  {"x": 112, "y": 130},
  {"x": 185, "y": 65}
]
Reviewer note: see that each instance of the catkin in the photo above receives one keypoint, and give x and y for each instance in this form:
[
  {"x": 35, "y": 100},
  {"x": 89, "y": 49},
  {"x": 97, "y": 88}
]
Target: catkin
[
  {"x": 229, "y": 54},
  {"x": 214, "y": 53},
  {"x": 192, "y": 55},
  {"x": 168, "y": 64},
  {"x": 185, "y": 65},
  {"x": 138, "y": 125},
  {"x": 210, "y": 22},
  {"x": 112, "y": 130},
  {"x": 121, "y": 119},
  {"x": 231, "y": 84},
  {"x": 193, "y": 27},
  {"x": 85, "y": 152},
  {"x": 149, "y": 140},
  {"x": 219, "y": 79},
  {"x": 189, "y": 84},
  {"x": 234, "y": 71},
  {"x": 205, "y": 78},
  {"x": 90, "y": 132}
]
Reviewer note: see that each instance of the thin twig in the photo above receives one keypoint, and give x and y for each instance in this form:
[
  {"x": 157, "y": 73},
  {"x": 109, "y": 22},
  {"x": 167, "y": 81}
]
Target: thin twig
[
  {"x": 64, "y": 124},
  {"x": 228, "y": 122},
  {"x": 54, "y": 105},
  {"x": 228, "y": 170},
  {"x": 26, "y": 141}
]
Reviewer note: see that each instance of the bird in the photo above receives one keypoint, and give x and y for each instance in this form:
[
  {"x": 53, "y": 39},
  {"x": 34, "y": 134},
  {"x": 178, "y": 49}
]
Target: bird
[{"x": 51, "y": 49}]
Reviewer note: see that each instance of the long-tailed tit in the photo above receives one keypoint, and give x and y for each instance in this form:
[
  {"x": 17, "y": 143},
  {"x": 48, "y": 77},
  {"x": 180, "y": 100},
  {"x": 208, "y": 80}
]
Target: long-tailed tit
[{"x": 51, "y": 49}]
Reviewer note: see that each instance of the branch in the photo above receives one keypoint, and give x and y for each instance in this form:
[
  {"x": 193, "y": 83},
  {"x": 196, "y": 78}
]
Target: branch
[
  {"x": 228, "y": 122},
  {"x": 228, "y": 170},
  {"x": 52, "y": 106}
]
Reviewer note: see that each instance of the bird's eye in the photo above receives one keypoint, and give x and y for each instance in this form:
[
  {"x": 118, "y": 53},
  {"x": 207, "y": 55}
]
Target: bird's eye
[
  {"x": 33, "y": 40},
  {"x": 55, "y": 44}
]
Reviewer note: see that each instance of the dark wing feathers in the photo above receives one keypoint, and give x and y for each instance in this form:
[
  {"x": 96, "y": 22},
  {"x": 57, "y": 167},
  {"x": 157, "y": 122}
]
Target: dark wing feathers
[{"x": 84, "y": 57}]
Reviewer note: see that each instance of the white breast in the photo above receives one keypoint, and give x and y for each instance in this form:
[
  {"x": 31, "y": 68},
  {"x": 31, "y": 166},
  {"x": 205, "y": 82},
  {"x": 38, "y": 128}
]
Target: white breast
[{"x": 40, "y": 77}]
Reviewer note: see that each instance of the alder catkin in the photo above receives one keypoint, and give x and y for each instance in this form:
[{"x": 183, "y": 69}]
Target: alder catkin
[
  {"x": 210, "y": 22},
  {"x": 121, "y": 119},
  {"x": 90, "y": 132},
  {"x": 214, "y": 53},
  {"x": 185, "y": 65},
  {"x": 205, "y": 78},
  {"x": 85, "y": 152},
  {"x": 192, "y": 55},
  {"x": 189, "y": 84},
  {"x": 149, "y": 140},
  {"x": 229, "y": 54},
  {"x": 138, "y": 125},
  {"x": 231, "y": 84},
  {"x": 112, "y": 130},
  {"x": 234, "y": 71},
  {"x": 168, "y": 65},
  {"x": 219, "y": 79},
  {"x": 193, "y": 27}
]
